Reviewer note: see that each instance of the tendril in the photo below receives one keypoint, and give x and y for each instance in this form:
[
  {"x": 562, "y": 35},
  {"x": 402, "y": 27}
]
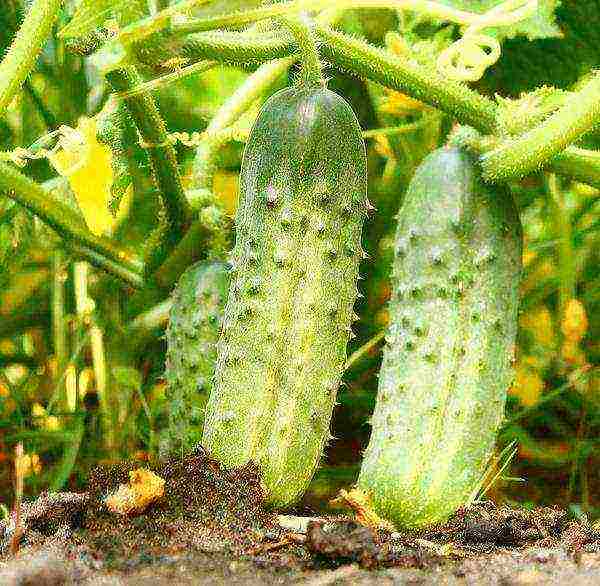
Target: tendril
[{"x": 468, "y": 58}]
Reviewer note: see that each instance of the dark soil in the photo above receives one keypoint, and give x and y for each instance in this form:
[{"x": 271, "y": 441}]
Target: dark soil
[{"x": 211, "y": 528}]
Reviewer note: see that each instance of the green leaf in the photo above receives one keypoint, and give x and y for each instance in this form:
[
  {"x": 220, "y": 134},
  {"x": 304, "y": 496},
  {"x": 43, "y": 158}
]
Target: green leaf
[
  {"x": 539, "y": 26},
  {"x": 94, "y": 13}
]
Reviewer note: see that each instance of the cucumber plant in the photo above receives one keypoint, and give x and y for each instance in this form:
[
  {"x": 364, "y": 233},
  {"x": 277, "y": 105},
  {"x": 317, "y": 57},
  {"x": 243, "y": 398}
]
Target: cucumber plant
[
  {"x": 294, "y": 282},
  {"x": 450, "y": 342}
]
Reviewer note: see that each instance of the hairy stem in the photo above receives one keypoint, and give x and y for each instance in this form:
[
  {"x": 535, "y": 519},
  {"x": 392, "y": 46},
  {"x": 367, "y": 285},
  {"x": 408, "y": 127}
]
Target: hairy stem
[
  {"x": 364, "y": 350},
  {"x": 226, "y": 46},
  {"x": 580, "y": 164},
  {"x": 425, "y": 7},
  {"x": 529, "y": 152},
  {"x": 59, "y": 323},
  {"x": 152, "y": 130},
  {"x": 302, "y": 29},
  {"x": 406, "y": 75},
  {"x": 25, "y": 48},
  {"x": 99, "y": 251}
]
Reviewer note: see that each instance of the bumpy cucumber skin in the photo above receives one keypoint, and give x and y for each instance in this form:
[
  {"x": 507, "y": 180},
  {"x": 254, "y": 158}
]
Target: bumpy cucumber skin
[
  {"x": 194, "y": 323},
  {"x": 294, "y": 283},
  {"x": 449, "y": 349}
]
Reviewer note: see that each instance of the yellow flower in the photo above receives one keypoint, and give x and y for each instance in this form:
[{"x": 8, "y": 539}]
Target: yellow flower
[
  {"x": 225, "y": 187},
  {"x": 539, "y": 322},
  {"x": 7, "y": 403},
  {"x": 87, "y": 165},
  {"x": 38, "y": 412},
  {"x": 51, "y": 423},
  {"x": 572, "y": 353},
  {"x": 528, "y": 386},
  {"x": 399, "y": 104},
  {"x": 575, "y": 323},
  {"x": 27, "y": 465}
]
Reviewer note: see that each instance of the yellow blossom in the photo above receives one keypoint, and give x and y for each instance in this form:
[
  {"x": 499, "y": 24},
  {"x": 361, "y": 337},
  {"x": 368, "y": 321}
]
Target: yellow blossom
[
  {"x": 572, "y": 353},
  {"x": 38, "y": 412},
  {"x": 528, "y": 386},
  {"x": 51, "y": 423},
  {"x": 575, "y": 323},
  {"x": 27, "y": 464},
  {"x": 225, "y": 187},
  {"x": 539, "y": 322},
  {"x": 87, "y": 163}
]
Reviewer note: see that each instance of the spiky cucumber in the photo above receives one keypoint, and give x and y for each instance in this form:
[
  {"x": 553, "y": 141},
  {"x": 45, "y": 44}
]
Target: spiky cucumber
[
  {"x": 450, "y": 343},
  {"x": 194, "y": 323},
  {"x": 294, "y": 282}
]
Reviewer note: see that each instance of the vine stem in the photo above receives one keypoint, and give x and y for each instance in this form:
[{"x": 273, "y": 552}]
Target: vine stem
[
  {"x": 312, "y": 69},
  {"x": 25, "y": 48},
  {"x": 579, "y": 164},
  {"x": 402, "y": 74},
  {"x": 59, "y": 323},
  {"x": 155, "y": 141},
  {"x": 530, "y": 151},
  {"x": 406, "y": 75},
  {"x": 364, "y": 350},
  {"x": 99, "y": 251},
  {"x": 432, "y": 9}
]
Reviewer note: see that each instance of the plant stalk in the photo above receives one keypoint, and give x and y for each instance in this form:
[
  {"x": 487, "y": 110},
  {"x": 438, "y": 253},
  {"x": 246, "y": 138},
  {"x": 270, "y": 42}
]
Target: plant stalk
[
  {"x": 26, "y": 46},
  {"x": 529, "y": 152},
  {"x": 155, "y": 141},
  {"x": 100, "y": 251}
]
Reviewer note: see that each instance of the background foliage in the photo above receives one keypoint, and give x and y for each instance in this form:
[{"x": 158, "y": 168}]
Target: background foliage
[{"x": 82, "y": 352}]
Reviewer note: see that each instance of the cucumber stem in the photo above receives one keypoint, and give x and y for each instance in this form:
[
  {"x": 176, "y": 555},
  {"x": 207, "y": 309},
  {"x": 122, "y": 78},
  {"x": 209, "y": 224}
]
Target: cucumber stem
[
  {"x": 97, "y": 250},
  {"x": 150, "y": 125},
  {"x": 530, "y": 151},
  {"x": 301, "y": 28},
  {"x": 26, "y": 46}
]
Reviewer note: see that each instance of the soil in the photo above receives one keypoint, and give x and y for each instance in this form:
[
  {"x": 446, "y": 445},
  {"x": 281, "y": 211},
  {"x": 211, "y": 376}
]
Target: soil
[{"x": 211, "y": 527}]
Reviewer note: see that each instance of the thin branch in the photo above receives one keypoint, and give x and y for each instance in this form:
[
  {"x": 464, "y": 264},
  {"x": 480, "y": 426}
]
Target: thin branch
[
  {"x": 301, "y": 28},
  {"x": 364, "y": 350},
  {"x": 406, "y": 75}
]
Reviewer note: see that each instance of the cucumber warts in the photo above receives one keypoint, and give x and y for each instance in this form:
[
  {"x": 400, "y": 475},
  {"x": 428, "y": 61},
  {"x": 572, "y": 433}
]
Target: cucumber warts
[
  {"x": 294, "y": 282},
  {"x": 447, "y": 362},
  {"x": 192, "y": 333}
]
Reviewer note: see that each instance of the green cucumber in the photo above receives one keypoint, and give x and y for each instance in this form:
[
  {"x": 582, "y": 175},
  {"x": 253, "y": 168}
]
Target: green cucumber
[
  {"x": 449, "y": 349},
  {"x": 294, "y": 283},
  {"x": 194, "y": 323}
]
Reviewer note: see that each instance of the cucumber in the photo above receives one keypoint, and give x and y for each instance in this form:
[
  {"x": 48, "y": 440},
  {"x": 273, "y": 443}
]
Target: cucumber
[
  {"x": 192, "y": 333},
  {"x": 294, "y": 283},
  {"x": 450, "y": 343}
]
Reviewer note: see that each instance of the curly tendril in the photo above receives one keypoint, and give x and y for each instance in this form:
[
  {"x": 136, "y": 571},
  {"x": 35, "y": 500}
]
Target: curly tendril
[{"x": 468, "y": 58}]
